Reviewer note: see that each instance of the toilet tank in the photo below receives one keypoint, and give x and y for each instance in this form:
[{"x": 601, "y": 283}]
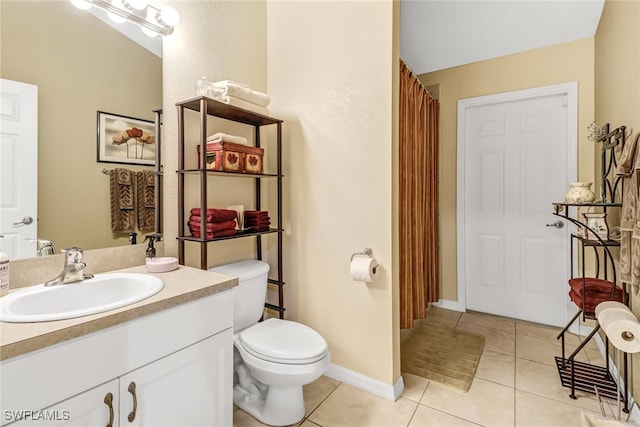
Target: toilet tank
[{"x": 250, "y": 294}]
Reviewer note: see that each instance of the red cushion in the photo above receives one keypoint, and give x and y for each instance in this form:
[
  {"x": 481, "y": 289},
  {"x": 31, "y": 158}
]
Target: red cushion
[
  {"x": 592, "y": 285},
  {"x": 593, "y": 299}
]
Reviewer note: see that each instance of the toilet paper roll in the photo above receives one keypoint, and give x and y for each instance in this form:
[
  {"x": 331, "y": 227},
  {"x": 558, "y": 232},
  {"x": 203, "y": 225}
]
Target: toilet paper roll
[
  {"x": 610, "y": 304},
  {"x": 606, "y": 316},
  {"x": 364, "y": 269},
  {"x": 624, "y": 334}
]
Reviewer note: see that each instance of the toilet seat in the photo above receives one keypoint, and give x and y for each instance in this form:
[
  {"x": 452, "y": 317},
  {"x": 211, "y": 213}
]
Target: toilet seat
[{"x": 283, "y": 341}]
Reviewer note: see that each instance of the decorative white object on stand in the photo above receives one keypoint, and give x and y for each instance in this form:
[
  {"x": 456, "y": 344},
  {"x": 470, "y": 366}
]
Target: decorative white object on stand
[
  {"x": 579, "y": 192},
  {"x": 596, "y": 223},
  {"x": 239, "y": 216}
]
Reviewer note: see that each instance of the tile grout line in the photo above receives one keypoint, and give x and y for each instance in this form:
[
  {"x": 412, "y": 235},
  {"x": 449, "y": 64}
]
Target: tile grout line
[{"x": 306, "y": 418}]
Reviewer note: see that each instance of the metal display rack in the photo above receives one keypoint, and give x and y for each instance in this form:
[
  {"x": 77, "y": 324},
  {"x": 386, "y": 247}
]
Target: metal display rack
[
  {"x": 574, "y": 374},
  {"x": 206, "y": 107}
]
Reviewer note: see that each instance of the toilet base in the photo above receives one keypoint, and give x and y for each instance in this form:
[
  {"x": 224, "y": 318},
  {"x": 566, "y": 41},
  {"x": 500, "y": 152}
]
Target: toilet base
[{"x": 280, "y": 406}]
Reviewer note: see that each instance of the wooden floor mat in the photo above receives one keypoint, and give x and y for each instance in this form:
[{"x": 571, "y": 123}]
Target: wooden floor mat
[{"x": 442, "y": 354}]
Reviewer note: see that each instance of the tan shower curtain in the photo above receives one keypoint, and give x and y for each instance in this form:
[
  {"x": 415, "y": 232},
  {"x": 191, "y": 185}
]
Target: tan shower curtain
[{"x": 418, "y": 210}]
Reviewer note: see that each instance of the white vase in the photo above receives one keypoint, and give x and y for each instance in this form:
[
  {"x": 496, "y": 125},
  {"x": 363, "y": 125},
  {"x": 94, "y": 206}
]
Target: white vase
[{"x": 579, "y": 192}]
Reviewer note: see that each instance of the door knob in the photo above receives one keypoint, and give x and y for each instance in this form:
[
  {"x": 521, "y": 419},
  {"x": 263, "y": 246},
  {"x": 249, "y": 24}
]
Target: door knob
[
  {"x": 557, "y": 224},
  {"x": 25, "y": 221}
]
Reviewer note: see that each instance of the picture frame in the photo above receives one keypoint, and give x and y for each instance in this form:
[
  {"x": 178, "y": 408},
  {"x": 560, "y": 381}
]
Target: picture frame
[{"x": 123, "y": 139}]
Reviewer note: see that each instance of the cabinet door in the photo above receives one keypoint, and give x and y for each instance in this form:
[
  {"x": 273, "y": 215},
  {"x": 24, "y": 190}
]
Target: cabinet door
[
  {"x": 192, "y": 387},
  {"x": 91, "y": 408}
]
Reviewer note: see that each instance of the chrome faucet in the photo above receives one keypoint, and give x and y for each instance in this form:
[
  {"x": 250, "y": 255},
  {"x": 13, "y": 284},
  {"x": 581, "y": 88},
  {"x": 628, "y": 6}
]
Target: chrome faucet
[{"x": 73, "y": 270}]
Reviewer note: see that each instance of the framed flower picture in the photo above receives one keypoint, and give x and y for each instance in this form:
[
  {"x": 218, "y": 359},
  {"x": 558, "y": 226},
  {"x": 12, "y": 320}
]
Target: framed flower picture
[{"x": 123, "y": 139}]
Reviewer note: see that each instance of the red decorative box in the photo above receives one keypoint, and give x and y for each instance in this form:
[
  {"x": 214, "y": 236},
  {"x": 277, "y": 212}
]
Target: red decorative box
[{"x": 232, "y": 157}]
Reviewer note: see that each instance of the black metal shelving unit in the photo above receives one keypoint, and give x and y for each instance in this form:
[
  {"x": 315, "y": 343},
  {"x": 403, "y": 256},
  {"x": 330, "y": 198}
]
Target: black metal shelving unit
[
  {"x": 573, "y": 374},
  {"x": 210, "y": 107}
]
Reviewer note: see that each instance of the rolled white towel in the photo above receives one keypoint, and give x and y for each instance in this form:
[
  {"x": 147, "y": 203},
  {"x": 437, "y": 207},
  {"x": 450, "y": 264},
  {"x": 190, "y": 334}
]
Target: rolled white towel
[
  {"x": 230, "y": 82},
  {"x": 241, "y": 91},
  {"x": 245, "y": 105},
  {"x": 223, "y": 137}
]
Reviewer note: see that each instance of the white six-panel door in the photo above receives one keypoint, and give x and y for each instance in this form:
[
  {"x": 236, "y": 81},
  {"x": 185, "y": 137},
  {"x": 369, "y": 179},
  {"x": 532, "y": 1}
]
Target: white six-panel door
[
  {"x": 516, "y": 155},
  {"x": 18, "y": 168}
]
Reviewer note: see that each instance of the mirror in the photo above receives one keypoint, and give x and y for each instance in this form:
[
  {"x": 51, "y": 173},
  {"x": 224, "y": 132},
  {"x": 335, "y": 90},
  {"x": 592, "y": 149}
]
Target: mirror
[{"x": 81, "y": 66}]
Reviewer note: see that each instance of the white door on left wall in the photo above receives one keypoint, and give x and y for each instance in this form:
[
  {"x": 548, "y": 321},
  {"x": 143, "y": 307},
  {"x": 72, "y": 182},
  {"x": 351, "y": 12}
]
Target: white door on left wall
[{"x": 18, "y": 168}]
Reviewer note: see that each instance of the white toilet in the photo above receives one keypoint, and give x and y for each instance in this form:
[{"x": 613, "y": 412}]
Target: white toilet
[{"x": 273, "y": 359}]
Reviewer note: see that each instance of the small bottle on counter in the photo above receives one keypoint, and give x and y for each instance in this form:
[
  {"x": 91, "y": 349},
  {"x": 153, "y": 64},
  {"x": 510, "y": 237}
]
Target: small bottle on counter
[{"x": 4, "y": 271}]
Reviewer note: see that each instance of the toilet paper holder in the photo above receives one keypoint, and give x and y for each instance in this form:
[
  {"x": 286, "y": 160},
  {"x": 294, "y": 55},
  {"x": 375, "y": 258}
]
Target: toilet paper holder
[{"x": 367, "y": 251}]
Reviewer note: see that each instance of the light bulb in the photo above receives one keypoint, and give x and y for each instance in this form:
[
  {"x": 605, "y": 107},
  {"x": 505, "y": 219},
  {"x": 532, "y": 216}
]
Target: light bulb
[
  {"x": 150, "y": 18},
  {"x": 135, "y": 4},
  {"x": 116, "y": 18},
  {"x": 149, "y": 33},
  {"x": 81, "y": 4},
  {"x": 168, "y": 17}
]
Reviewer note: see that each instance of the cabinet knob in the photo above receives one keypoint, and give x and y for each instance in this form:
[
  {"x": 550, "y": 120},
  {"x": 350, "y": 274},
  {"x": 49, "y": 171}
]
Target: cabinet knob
[
  {"x": 132, "y": 390},
  {"x": 557, "y": 224}
]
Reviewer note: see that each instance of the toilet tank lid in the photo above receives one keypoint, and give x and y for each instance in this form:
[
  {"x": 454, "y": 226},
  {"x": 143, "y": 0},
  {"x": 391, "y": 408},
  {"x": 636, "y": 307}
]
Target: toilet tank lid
[{"x": 243, "y": 270}]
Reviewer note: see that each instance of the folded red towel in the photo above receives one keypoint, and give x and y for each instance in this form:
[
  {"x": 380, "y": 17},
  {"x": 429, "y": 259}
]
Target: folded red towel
[
  {"x": 257, "y": 219},
  {"x": 253, "y": 214},
  {"x": 213, "y": 235},
  {"x": 213, "y": 226},
  {"x": 212, "y": 218},
  {"x": 259, "y": 227},
  {"x": 258, "y": 224},
  {"x": 215, "y": 215}
]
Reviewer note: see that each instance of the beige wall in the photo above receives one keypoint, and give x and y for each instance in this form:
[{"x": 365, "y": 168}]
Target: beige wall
[
  {"x": 208, "y": 43},
  {"x": 335, "y": 95},
  {"x": 80, "y": 66},
  {"x": 617, "y": 87},
  {"x": 333, "y": 85},
  {"x": 562, "y": 63},
  {"x": 617, "y": 65}
]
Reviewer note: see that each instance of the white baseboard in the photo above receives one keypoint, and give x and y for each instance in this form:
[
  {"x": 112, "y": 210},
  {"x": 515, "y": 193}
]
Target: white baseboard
[
  {"x": 449, "y": 305},
  {"x": 378, "y": 388}
]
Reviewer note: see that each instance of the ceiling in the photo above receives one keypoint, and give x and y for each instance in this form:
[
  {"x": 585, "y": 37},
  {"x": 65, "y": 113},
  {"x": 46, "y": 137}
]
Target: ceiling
[
  {"x": 439, "y": 34},
  {"x": 130, "y": 30}
]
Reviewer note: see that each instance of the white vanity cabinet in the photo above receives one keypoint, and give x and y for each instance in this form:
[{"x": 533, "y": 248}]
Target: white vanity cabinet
[
  {"x": 179, "y": 360},
  {"x": 183, "y": 389},
  {"x": 88, "y": 409}
]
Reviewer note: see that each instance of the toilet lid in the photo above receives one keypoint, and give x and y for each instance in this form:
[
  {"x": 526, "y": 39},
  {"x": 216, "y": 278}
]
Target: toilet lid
[{"x": 283, "y": 341}]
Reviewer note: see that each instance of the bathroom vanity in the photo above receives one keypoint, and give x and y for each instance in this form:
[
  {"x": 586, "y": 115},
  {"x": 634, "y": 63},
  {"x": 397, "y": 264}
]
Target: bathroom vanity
[{"x": 166, "y": 360}]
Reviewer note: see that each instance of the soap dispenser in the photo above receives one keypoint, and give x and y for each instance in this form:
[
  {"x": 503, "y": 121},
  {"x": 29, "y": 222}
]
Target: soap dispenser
[
  {"x": 151, "y": 250},
  {"x": 4, "y": 270},
  {"x": 158, "y": 265}
]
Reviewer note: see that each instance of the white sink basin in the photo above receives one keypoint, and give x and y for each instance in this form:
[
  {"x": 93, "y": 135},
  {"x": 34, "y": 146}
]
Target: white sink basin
[{"x": 104, "y": 292}]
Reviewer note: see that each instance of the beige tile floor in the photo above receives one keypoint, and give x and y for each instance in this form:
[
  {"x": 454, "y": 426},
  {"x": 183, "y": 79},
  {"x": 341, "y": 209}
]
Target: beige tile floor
[{"x": 516, "y": 384}]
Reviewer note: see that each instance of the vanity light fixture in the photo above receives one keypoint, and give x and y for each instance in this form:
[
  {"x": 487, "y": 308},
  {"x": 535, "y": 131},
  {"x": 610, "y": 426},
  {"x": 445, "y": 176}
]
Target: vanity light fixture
[{"x": 152, "y": 19}]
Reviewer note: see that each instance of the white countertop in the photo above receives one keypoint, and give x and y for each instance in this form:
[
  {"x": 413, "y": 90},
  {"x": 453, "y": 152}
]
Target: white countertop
[{"x": 180, "y": 286}]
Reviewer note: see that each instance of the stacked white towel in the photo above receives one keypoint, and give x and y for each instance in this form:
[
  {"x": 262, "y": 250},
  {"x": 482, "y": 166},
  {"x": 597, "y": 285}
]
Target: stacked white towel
[
  {"x": 224, "y": 137},
  {"x": 242, "y": 96}
]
